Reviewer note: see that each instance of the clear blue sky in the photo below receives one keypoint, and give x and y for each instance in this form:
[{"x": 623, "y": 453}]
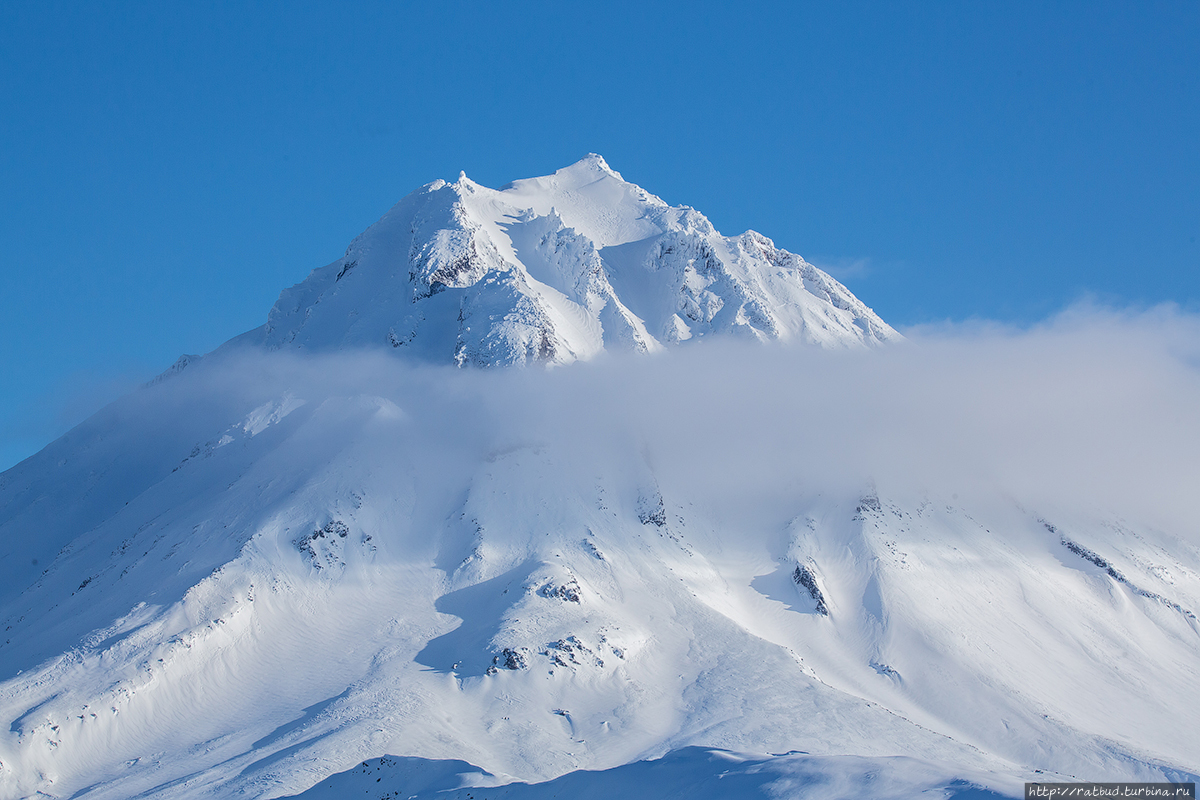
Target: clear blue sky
[{"x": 167, "y": 168}]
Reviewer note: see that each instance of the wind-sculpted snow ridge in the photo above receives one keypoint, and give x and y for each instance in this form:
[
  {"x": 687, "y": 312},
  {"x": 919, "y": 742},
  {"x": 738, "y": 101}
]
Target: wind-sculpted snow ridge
[{"x": 557, "y": 269}]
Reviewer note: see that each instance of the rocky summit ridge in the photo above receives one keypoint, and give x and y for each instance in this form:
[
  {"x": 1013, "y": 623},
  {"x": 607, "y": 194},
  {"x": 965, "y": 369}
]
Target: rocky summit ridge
[{"x": 558, "y": 269}]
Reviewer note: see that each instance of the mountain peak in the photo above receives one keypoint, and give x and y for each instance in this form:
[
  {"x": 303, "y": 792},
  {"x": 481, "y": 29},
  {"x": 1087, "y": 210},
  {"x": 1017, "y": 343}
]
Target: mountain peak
[
  {"x": 555, "y": 269},
  {"x": 592, "y": 162},
  {"x": 270, "y": 568},
  {"x": 464, "y": 181}
]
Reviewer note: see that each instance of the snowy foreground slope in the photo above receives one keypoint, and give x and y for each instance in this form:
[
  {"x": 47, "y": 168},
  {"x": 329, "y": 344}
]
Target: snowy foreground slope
[{"x": 735, "y": 569}]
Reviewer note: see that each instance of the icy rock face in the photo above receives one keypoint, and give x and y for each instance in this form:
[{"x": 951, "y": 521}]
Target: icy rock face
[{"x": 557, "y": 269}]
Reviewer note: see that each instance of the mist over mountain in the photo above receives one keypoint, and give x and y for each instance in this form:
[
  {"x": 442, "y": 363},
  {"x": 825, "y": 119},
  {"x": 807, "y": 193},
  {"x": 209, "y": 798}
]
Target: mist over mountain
[{"x": 756, "y": 539}]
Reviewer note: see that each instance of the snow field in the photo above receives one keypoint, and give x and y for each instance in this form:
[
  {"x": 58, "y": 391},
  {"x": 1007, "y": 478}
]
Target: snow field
[{"x": 936, "y": 569}]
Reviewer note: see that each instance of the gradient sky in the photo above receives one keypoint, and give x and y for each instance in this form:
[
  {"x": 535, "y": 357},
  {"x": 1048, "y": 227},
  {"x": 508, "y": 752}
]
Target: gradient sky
[{"x": 166, "y": 169}]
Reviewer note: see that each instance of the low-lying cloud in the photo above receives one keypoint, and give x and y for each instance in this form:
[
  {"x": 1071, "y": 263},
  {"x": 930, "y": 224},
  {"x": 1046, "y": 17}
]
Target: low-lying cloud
[{"x": 1095, "y": 409}]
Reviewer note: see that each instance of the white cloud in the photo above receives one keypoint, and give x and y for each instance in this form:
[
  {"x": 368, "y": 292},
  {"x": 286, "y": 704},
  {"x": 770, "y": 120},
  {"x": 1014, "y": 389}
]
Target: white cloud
[{"x": 1095, "y": 408}]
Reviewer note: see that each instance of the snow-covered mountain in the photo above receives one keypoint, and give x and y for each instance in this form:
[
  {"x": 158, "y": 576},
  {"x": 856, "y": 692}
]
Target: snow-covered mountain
[
  {"x": 554, "y": 270},
  {"x": 322, "y": 560}
]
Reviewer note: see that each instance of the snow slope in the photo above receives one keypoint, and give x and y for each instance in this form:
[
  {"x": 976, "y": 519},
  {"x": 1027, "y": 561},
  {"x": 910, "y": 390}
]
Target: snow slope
[
  {"x": 557, "y": 269},
  {"x": 296, "y": 564},
  {"x": 261, "y": 572},
  {"x": 687, "y": 774}
]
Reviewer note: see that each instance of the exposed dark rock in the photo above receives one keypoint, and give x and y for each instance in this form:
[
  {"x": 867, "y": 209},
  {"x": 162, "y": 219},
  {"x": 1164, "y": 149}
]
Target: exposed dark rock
[
  {"x": 884, "y": 669},
  {"x": 804, "y": 577},
  {"x": 568, "y": 591},
  {"x": 1088, "y": 555},
  {"x": 330, "y": 532},
  {"x": 571, "y": 652},
  {"x": 868, "y": 505},
  {"x": 511, "y": 658},
  {"x": 1104, "y": 564},
  {"x": 651, "y": 510}
]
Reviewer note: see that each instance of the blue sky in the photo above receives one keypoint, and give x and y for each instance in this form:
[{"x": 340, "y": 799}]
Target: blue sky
[{"x": 166, "y": 169}]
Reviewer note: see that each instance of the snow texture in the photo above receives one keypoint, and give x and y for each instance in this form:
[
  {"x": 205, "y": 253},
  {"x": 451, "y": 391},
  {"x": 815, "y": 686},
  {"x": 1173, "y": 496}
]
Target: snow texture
[
  {"x": 928, "y": 570},
  {"x": 556, "y": 269}
]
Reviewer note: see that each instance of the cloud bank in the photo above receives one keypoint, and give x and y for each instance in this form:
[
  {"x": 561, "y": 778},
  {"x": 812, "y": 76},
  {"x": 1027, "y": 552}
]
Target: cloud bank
[{"x": 1094, "y": 409}]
